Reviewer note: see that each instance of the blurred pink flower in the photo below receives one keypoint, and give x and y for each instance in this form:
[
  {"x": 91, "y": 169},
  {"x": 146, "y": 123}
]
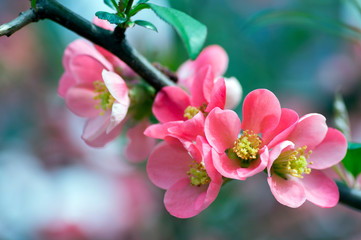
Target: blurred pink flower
[
  {"x": 216, "y": 57},
  {"x": 241, "y": 150},
  {"x": 188, "y": 175},
  {"x": 294, "y": 165}
]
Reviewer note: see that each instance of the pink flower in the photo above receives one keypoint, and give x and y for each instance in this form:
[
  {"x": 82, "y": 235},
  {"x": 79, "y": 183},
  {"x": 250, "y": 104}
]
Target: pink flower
[
  {"x": 188, "y": 175},
  {"x": 104, "y": 103},
  {"x": 241, "y": 150},
  {"x": 294, "y": 165},
  {"x": 174, "y": 104},
  {"x": 216, "y": 57}
]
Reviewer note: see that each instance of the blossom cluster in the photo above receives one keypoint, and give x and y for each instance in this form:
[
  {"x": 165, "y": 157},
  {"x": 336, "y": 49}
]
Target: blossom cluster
[{"x": 204, "y": 143}]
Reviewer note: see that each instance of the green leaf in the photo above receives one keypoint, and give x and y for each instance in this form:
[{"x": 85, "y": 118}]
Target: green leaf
[
  {"x": 110, "y": 4},
  {"x": 33, "y": 4},
  {"x": 332, "y": 26},
  {"x": 352, "y": 160},
  {"x": 192, "y": 32},
  {"x": 122, "y": 5},
  {"x": 138, "y": 8},
  {"x": 110, "y": 17},
  {"x": 146, "y": 24}
]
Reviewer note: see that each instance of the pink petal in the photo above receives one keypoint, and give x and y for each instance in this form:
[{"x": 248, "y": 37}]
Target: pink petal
[
  {"x": 80, "y": 100},
  {"x": 103, "y": 24},
  {"x": 256, "y": 166},
  {"x": 116, "y": 86},
  {"x": 168, "y": 164},
  {"x": 66, "y": 81},
  {"x": 286, "y": 125},
  {"x": 160, "y": 130},
  {"x": 170, "y": 103},
  {"x": 119, "y": 112},
  {"x": 222, "y": 128},
  {"x": 139, "y": 146},
  {"x": 276, "y": 151},
  {"x": 208, "y": 161},
  {"x": 87, "y": 69},
  {"x": 225, "y": 166},
  {"x": 78, "y": 47},
  {"x": 218, "y": 96},
  {"x": 288, "y": 192},
  {"x": 183, "y": 200},
  {"x": 330, "y": 151},
  {"x": 190, "y": 129},
  {"x": 320, "y": 189},
  {"x": 94, "y": 133},
  {"x": 310, "y": 131},
  {"x": 202, "y": 86},
  {"x": 261, "y": 111}
]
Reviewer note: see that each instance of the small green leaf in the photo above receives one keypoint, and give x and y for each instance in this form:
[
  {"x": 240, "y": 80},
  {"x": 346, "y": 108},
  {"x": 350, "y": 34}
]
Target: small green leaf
[
  {"x": 142, "y": 1},
  {"x": 146, "y": 24},
  {"x": 110, "y": 17},
  {"x": 33, "y": 4},
  {"x": 110, "y": 4},
  {"x": 192, "y": 32},
  {"x": 122, "y": 5},
  {"x": 352, "y": 160},
  {"x": 138, "y": 8}
]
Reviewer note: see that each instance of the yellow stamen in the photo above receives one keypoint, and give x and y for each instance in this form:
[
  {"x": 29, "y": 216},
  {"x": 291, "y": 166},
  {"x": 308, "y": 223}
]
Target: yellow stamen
[
  {"x": 246, "y": 147},
  {"x": 103, "y": 94},
  {"x": 198, "y": 174},
  {"x": 191, "y": 111},
  {"x": 293, "y": 163}
]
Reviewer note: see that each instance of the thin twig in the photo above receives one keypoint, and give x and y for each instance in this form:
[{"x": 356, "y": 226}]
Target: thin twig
[{"x": 24, "y": 19}]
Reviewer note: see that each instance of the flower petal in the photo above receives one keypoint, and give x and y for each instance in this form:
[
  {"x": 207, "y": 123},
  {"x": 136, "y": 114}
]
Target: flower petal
[
  {"x": 202, "y": 86},
  {"x": 310, "y": 131},
  {"x": 168, "y": 164},
  {"x": 288, "y": 122},
  {"x": 261, "y": 111},
  {"x": 256, "y": 166},
  {"x": 78, "y": 47},
  {"x": 320, "y": 189},
  {"x": 66, "y": 81},
  {"x": 276, "y": 151},
  {"x": 218, "y": 96},
  {"x": 288, "y": 192},
  {"x": 94, "y": 133},
  {"x": 116, "y": 86},
  {"x": 190, "y": 129},
  {"x": 170, "y": 103},
  {"x": 139, "y": 146},
  {"x": 183, "y": 200},
  {"x": 330, "y": 151},
  {"x": 119, "y": 112},
  {"x": 225, "y": 166},
  {"x": 222, "y": 128},
  {"x": 80, "y": 100},
  {"x": 160, "y": 130}
]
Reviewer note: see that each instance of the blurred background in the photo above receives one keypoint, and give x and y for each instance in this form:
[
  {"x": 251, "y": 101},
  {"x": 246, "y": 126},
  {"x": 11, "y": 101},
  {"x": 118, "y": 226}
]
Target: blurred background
[{"x": 52, "y": 186}]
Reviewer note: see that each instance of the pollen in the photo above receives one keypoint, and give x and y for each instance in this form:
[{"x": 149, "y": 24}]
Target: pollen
[
  {"x": 104, "y": 96},
  {"x": 198, "y": 174},
  {"x": 293, "y": 163},
  {"x": 246, "y": 147},
  {"x": 191, "y": 111}
]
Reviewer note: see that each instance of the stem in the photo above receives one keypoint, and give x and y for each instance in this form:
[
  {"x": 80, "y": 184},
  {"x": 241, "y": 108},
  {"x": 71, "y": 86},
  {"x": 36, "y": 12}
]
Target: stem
[
  {"x": 24, "y": 19},
  {"x": 129, "y": 7},
  {"x": 349, "y": 196}
]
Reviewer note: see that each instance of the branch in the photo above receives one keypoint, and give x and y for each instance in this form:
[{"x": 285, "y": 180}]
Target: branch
[
  {"x": 349, "y": 196},
  {"x": 114, "y": 42},
  {"x": 24, "y": 19}
]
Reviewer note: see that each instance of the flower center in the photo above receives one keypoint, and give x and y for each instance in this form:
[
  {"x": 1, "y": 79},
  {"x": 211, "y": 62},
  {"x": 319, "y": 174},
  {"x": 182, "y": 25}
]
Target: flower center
[
  {"x": 103, "y": 94},
  {"x": 198, "y": 174},
  {"x": 292, "y": 162},
  {"x": 246, "y": 147},
  {"x": 191, "y": 111}
]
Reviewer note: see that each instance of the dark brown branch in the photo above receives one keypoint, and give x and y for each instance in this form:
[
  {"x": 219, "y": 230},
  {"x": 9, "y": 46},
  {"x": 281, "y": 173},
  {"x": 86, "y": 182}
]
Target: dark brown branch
[
  {"x": 349, "y": 196},
  {"x": 24, "y": 19},
  {"x": 115, "y": 41}
]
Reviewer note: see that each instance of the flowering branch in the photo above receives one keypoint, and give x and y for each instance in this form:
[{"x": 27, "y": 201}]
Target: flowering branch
[{"x": 114, "y": 42}]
